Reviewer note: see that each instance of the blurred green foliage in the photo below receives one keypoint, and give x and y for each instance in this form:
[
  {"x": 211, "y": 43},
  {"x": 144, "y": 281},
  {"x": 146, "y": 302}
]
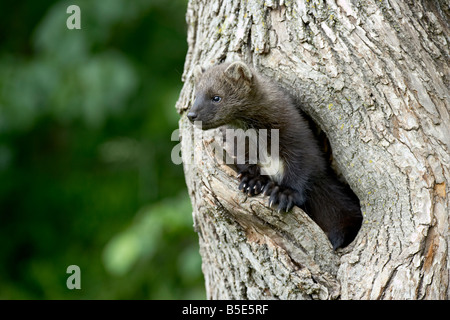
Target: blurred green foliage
[{"x": 85, "y": 171}]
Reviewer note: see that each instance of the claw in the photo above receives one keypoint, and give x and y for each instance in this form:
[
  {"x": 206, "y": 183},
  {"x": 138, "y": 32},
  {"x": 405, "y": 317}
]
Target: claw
[
  {"x": 243, "y": 183},
  {"x": 274, "y": 194},
  {"x": 257, "y": 187},
  {"x": 268, "y": 188},
  {"x": 242, "y": 186},
  {"x": 282, "y": 201},
  {"x": 290, "y": 204}
]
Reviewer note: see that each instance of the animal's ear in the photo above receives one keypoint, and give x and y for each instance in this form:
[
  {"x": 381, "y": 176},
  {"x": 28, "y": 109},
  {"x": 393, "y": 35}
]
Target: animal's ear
[
  {"x": 238, "y": 70},
  {"x": 198, "y": 71}
]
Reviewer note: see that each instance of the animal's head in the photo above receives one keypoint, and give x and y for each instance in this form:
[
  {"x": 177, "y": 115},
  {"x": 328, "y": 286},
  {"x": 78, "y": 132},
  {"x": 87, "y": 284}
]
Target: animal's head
[{"x": 222, "y": 94}]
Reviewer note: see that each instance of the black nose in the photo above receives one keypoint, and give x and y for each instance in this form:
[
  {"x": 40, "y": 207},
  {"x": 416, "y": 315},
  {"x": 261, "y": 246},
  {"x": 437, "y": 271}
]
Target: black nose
[{"x": 192, "y": 116}]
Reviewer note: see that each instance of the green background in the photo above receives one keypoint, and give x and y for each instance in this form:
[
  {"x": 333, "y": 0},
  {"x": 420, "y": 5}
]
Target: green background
[{"x": 86, "y": 177}]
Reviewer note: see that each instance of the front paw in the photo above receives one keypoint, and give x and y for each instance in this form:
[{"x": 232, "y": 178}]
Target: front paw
[{"x": 252, "y": 182}]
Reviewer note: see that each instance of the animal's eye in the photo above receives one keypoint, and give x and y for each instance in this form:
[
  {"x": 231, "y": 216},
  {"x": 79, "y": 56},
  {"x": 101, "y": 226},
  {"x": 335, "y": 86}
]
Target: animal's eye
[{"x": 216, "y": 99}]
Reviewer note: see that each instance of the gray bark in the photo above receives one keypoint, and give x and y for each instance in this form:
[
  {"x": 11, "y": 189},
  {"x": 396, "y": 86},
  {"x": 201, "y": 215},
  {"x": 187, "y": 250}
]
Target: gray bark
[{"x": 375, "y": 76}]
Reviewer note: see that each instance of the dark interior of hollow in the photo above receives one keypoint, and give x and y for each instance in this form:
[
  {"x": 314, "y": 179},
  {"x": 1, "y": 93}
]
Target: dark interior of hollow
[{"x": 325, "y": 146}]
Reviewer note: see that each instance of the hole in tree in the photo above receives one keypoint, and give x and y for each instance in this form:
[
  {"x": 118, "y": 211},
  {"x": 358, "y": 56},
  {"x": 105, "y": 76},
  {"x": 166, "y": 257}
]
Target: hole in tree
[{"x": 326, "y": 148}]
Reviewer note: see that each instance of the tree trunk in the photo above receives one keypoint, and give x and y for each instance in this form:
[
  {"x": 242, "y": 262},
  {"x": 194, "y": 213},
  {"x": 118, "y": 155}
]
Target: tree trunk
[{"x": 374, "y": 76}]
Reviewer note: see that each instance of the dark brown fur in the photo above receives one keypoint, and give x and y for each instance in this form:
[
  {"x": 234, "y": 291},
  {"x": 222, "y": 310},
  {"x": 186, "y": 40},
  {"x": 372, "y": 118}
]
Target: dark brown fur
[{"x": 248, "y": 100}]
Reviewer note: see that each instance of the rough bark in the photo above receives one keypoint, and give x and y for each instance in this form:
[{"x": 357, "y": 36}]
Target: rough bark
[{"x": 375, "y": 76}]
